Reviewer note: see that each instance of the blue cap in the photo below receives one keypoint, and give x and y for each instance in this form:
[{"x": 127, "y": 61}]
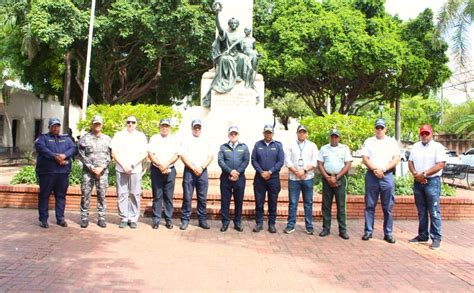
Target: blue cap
[
  {"x": 268, "y": 127},
  {"x": 380, "y": 122},
  {"x": 196, "y": 122},
  {"x": 233, "y": 128},
  {"x": 165, "y": 121},
  {"x": 334, "y": 132},
  {"x": 53, "y": 121}
]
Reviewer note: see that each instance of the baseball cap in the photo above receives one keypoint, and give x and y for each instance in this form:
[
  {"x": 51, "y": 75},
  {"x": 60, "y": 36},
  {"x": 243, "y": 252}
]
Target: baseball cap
[
  {"x": 426, "y": 128},
  {"x": 380, "y": 122},
  {"x": 334, "y": 132},
  {"x": 53, "y": 121},
  {"x": 268, "y": 127},
  {"x": 301, "y": 127},
  {"x": 97, "y": 119},
  {"x": 165, "y": 121},
  {"x": 233, "y": 128},
  {"x": 196, "y": 122}
]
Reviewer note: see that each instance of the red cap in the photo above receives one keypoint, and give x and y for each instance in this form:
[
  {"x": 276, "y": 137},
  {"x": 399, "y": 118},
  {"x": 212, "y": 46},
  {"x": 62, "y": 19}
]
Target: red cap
[{"x": 426, "y": 128}]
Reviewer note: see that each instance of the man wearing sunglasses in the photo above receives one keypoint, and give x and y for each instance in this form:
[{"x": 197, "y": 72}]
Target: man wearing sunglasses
[
  {"x": 426, "y": 163},
  {"x": 129, "y": 148},
  {"x": 233, "y": 158},
  {"x": 380, "y": 154}
]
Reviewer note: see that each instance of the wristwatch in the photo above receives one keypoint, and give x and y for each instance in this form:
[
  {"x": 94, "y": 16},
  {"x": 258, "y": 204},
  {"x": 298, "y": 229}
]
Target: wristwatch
[{"x": 424, "y": 174}]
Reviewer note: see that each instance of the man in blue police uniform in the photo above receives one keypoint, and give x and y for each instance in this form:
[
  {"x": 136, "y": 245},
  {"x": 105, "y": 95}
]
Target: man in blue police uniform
[
  {"x": 53, "y": 165},
  {"x": 334, "y": 162},
  {"x": 380, "y": 154},
  {"x": 426, "y": 163},
  {"x": 267, "y": 158},
  {"x": 233, "y": 158}
]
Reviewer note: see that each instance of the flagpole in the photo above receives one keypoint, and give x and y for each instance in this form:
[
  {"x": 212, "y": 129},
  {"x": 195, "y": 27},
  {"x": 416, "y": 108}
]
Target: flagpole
[{"x": 88, "y": 61}]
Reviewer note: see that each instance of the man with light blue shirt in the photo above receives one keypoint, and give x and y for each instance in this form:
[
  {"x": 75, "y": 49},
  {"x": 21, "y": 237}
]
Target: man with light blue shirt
[
  {"x": 334, "y": 162},
  {"x": 426, "y": 163},
  {"x": 380, "y": 154},
  {"x": 301, "y": 159}
]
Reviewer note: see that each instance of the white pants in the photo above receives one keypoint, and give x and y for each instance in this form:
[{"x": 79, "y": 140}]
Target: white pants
[{"x": 129, "y": 190}]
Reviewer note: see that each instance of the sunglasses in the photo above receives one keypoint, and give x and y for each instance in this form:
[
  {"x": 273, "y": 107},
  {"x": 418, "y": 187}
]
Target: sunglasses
[
  {"x": 131, "y": 122},
  {"x": 425, "y": 133},
  {"x": 379, "y": 127}
]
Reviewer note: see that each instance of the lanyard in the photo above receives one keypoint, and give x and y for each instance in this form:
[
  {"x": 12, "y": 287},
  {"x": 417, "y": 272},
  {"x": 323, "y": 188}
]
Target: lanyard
[{"x": 301, "y": 148}]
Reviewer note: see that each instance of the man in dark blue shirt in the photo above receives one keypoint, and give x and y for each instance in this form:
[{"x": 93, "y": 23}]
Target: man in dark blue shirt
[
  {"x": 53, "y": 166},
  {"x": 233, "y": 158},
  {"x": 267, "y": 158}
]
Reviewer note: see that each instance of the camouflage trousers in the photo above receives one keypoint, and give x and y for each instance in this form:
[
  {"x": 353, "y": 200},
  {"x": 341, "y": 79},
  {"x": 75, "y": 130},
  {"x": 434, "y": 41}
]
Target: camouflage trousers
[{"x": 101, "y": 184}]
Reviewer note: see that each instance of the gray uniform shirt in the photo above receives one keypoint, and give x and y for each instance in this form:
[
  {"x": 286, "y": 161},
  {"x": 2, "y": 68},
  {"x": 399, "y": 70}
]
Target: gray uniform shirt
[{"x": 94, "y": 151}]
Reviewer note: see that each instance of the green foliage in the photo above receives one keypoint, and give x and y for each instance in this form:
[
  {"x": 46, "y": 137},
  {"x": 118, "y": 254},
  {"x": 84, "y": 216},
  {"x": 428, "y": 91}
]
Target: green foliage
[
  {"x": 451, "y": 120},
  {"x": 288, "y": 106},
  {"x": 26, "y": 175},
  {"x": 403, "y": 185},
  {"x": 348, "y": 52},
  {"x": 354, "y": 129},
  {"x": 148, "y": 117}
]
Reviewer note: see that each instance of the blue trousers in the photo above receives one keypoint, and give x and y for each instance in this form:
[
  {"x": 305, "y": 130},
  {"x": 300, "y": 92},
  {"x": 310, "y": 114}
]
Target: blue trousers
[
  {"x": 162, "y": 187},
  {"x": 294, "y": 189},
  {"x": 261, "y": 187},
  {"x": 427, "y": 202},
  {"x": 228, "y": 189},
  {"x": 386, "y": 188},
  {"x": 58, "y": 184},
  {"x": 191, "y": 181}
]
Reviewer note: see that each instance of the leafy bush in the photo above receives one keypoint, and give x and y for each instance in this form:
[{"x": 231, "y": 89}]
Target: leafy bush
[
  {"x": 114, "y": 116},
  {"x": 354, "y": 129},
  {"x": 403, "y": 185},
  {"x": 26, "y": 175}
]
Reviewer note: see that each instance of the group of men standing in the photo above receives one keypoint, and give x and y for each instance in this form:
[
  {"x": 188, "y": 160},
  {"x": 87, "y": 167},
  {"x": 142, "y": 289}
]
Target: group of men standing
[{"x": 129, "y": 148}]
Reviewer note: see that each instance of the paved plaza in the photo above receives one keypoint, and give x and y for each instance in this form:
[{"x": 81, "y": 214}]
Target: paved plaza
[{"x": 117, "y": 260}]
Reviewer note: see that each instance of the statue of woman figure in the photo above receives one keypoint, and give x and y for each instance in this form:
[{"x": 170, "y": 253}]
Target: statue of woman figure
[
  {"x": 227, "y": 52},
  {"x": 249, "y": 48}
]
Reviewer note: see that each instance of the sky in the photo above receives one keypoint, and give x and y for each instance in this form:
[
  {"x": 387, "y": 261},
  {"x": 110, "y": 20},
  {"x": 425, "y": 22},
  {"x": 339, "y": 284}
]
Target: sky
[{"x": 407, "y": 9}]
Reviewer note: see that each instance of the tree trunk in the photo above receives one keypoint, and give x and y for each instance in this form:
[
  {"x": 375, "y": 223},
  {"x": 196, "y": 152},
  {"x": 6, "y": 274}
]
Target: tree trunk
[
  {"x": 67, "y": 91},
  {"x": 284, "y": 121}
]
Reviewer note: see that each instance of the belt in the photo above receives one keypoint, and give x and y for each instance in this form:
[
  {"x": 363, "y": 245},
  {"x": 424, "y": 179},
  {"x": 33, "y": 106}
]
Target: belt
[{"x": 431, "y": 178}]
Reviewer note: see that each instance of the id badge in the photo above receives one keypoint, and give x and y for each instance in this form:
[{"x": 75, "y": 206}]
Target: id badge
[{"x": 300, "y": 162}]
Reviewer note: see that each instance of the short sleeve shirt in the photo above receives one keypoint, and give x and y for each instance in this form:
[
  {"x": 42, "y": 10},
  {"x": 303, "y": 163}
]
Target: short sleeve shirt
[
  {"x": 129, "y": 147},
  {"x": 164, "y": 148},
  {"x": 426, "y": 156},
  {"x": 380, "y": 151},
  {"x": 334, "y": 158},
  {"x": 196, "y": 150}
]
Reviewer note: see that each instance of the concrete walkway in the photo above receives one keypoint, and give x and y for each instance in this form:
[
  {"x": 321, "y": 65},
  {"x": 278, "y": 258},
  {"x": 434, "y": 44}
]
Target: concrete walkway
[{"x": 112, "y": 259}]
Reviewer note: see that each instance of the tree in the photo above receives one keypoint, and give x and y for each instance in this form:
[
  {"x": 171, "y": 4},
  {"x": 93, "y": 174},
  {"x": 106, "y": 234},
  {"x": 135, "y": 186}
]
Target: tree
[
  {"x": 350, "y": 53},
  {"x": 457, "y": 120},
  {"x": 454, "y": 20},
  {"x": 288, "y": 106}
]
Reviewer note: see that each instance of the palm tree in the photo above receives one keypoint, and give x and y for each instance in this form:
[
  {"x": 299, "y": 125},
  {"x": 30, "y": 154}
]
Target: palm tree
[
  {"x": 455, "y": 18},
  {"x": 465, "y": 125}
]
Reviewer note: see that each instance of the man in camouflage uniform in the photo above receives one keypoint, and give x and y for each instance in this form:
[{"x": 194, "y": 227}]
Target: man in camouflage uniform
[{"x": 94, "y": 153}]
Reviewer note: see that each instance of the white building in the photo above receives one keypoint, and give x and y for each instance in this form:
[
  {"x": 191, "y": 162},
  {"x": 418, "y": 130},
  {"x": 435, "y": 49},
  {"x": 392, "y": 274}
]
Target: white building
[{"x": 20, "y": 118}]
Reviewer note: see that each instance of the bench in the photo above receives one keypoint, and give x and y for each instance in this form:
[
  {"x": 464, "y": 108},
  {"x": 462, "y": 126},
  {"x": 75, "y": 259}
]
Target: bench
[{"x": 456, "y": 171}]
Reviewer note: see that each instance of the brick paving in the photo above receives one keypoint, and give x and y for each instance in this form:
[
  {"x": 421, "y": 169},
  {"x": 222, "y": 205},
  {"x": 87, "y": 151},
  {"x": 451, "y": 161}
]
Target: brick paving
[{"x": 119, "y": 260}]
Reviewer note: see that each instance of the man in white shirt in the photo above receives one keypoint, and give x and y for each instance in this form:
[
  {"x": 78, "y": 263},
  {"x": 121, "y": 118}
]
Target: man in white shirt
[
  {"x": 301, "y": 159},
  {"x": 163, "y": 153},
  {"x": 380, "y": 154},
  {"x": 129, "y": 148},
  {"x": 426, "y": 163},
  {"x": 196, "y": 156}
]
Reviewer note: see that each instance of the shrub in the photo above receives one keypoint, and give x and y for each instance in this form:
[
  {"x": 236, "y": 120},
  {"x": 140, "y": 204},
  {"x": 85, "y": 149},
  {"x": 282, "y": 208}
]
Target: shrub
[
  {"x": 114, "y": 116},
  {"x": 354, "y": 129}
]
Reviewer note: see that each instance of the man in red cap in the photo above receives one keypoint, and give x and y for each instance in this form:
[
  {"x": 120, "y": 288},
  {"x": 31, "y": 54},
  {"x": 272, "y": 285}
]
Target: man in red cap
[{"x": 426, "y": 163}]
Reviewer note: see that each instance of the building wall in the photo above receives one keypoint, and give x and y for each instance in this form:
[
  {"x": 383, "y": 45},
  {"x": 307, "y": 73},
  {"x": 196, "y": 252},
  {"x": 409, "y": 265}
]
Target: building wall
[{"x": 25, "y": 107}]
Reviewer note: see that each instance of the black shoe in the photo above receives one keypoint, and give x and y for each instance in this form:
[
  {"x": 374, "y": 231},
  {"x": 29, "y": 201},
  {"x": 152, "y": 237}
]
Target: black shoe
[
  {"x": 123, "y": 224},
  {"x": 224, "y": 227},
  {"x": 169, "y": 225},
  {"x": 367, "y": 236},
  {"x": 272, "y": 229},
  {"x": 184, "y": 226},
  {"x": 418, "y": 239},
  {"x": 436, "y": 244},
  {"x": 204, "y": 225},
  {"x": 344, "y": 235},
  {"x": 62, "y": 223},
  {"x": 258, "y": 228},
  {"x": 324, "y": 233},
  {"x": 101, "y": 223},
  {"x": 389, "y": 239},
  {"x": 44, "y": 224},
  {"x": 155, "y": 226},
  {"x": 239, "y": 228},
  {"x": 309, "y": 231},
  {"x": 84, "y": 223},
  {"x": 133, "y": 225},
  {"x": 289, "y": 230}
]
